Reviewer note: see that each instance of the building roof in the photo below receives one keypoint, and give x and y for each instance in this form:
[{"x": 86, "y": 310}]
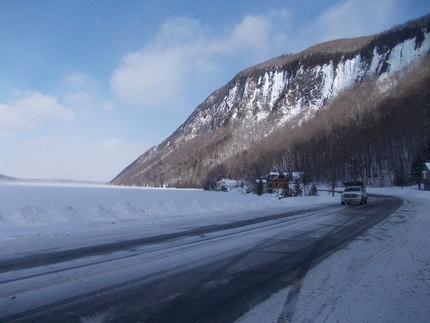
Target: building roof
[{"x": 227, "y": 181}]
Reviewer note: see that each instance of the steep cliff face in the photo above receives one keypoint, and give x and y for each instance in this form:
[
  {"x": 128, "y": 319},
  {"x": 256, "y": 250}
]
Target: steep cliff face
[{"x": 276, "y": 94}]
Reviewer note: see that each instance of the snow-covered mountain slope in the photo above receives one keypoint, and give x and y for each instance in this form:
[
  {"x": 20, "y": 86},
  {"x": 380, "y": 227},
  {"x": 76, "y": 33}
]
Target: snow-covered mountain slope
[{"x": 276, "y": 94}]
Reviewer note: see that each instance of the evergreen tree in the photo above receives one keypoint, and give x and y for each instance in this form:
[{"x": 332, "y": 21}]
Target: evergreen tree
[
  {"x": 313, "y": 191},
  {"x": 286, "y": 192},
  {"x": 417, "y": 167},
  {"x": 426, "y": 153},
  {"x": 305, "y": 181},
  {"x": 259, "y": 188},
  {"x": 401, "y": 177},
  {"x": 298, "y": 189}
]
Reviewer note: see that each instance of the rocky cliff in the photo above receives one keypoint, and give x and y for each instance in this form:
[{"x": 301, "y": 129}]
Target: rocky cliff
[{"x": 278, "y": 94}]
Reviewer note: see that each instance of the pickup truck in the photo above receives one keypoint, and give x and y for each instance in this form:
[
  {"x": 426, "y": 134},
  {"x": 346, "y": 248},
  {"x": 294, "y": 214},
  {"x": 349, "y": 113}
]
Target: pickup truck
[{"x": 355, "y": 192}]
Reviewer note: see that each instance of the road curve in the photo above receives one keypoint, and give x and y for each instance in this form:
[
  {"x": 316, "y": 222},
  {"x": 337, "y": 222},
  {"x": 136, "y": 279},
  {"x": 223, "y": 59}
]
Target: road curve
[{"x": 209, "y": 274}]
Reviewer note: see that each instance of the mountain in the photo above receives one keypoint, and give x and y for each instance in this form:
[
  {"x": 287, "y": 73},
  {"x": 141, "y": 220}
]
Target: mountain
[
  {"x": 9, "y": 179},
  {"x": 272, "y": 100},
  {"x": 4, "y": 178}
]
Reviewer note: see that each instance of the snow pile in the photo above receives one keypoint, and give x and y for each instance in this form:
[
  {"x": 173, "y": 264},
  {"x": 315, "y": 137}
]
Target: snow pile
[
  {"x": 27, "y": 205},
  {"x": 70, "y": 216}
]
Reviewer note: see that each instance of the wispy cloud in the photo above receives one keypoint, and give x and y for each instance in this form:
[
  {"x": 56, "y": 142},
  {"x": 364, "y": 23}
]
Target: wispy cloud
[
  {"x": 78, "y": 97},
  {"x": 353, "y": 18},
  {"x": 260, "y": 34},
  {"x": 150, "y": 77},
  {"x": 30, "y": 111},
  {"x": 76, "y": 79}
]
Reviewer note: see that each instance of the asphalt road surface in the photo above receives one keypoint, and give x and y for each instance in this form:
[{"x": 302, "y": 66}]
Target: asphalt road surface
[{"x": 209, "y": 274}]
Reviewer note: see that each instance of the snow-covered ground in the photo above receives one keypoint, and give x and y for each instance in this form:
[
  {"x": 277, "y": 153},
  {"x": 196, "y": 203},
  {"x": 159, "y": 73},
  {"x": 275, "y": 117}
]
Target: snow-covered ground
[
  {"x": 384, "y": 276},
  {"x": 53, "y": 217}
]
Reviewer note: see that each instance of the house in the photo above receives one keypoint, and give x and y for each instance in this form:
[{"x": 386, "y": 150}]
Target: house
[
  {"x": 277, "y": 181},
  {"x": 426, "y": 176},
  {"x": 225, "y": 184}
]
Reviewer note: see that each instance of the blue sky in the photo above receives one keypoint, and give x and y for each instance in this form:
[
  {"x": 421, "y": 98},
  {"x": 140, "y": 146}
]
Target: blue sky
[{"x": 87, "y": 86}]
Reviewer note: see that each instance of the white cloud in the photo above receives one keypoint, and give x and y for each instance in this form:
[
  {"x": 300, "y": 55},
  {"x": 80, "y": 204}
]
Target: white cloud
[
  {"x": 176, "y": 32},
  {"x": 150, "y": 77},
  {"x": 76, "y": 79},
  {"x": 81, "y": 91},
  {"x": 156, "y": 75},
  {"x": 354, "y": 18},
  {"x": 261, "y": 34},
  {"x": 252, "y": 33},
  {"x": 28, "y": 112},
  {"x": 108, "y": 105},
  {"x": 78, "y": 98},
  {"x": 11, "y": 118}
]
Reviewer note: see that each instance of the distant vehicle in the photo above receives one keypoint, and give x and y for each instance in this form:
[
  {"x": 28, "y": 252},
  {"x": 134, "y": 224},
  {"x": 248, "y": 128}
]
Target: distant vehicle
[{"x": 355, "y": 192}]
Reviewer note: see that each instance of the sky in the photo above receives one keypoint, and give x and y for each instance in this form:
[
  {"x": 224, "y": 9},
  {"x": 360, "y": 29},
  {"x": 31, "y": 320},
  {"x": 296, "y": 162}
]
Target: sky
[{"x": 87, "y": 86}]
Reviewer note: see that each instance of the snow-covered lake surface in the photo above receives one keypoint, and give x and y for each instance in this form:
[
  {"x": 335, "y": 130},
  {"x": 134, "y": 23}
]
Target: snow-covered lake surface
[{"x": 384, "y": 276}]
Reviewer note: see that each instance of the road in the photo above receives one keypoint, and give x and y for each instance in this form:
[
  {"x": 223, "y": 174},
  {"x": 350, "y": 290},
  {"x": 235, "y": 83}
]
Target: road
[{"x": 208, "y": 274}]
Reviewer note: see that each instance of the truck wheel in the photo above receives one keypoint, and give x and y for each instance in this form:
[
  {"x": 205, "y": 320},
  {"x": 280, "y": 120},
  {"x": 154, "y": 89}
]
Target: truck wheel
[
  {"x": 361, "y": 202},
  {"x": 343, "y": 203}
]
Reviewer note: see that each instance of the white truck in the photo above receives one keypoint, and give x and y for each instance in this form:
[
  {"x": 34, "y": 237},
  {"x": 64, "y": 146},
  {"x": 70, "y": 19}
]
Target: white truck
[{"x": 355, "y": 192}]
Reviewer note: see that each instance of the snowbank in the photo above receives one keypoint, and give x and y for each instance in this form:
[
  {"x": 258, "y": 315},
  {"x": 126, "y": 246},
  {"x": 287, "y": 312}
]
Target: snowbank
[{"x": 43, "y": 217}]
